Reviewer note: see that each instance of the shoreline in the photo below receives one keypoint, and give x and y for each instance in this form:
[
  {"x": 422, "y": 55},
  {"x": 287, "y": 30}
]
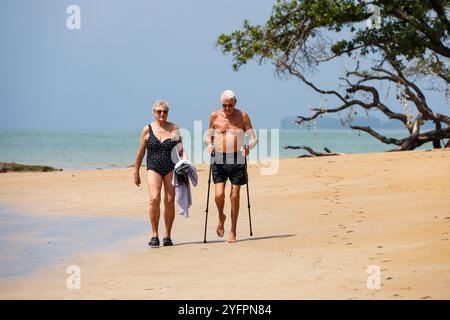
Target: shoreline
[
  {"x": 111, "y": 167},
  {"x": 318, "y": 224}
]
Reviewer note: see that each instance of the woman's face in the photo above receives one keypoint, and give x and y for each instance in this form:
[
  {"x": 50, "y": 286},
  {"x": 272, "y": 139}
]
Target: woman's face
[{"x": 160, "y": 113}]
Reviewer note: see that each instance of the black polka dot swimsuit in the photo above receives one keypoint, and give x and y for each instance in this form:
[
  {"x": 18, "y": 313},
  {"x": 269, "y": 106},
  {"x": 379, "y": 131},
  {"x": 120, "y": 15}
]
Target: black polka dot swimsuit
[{"x": 159, "y": 154}]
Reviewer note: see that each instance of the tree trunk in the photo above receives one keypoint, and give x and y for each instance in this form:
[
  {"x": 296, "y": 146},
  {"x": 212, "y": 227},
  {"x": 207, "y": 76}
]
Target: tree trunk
[{"x": 437, "y": 142}]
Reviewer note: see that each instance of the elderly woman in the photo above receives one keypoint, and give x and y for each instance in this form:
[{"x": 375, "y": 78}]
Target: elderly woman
[{"x": 162, "y": 141}]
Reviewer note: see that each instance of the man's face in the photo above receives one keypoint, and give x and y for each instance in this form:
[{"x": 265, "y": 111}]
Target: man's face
[{"x": 228, "y": 106}]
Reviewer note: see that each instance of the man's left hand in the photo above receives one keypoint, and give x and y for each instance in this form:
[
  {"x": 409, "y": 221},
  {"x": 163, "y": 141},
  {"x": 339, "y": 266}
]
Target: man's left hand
[{"x": 245, "y": 150}]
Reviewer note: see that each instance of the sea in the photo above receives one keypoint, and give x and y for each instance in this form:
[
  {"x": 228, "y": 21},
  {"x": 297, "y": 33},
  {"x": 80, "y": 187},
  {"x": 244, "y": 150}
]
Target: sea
[{"x": 106, "y": 149}]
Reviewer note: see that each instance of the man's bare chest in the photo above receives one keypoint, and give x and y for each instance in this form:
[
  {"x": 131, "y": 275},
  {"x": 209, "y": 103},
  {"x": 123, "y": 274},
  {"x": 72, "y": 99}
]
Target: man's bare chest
[{"x": 223, "y": 125}]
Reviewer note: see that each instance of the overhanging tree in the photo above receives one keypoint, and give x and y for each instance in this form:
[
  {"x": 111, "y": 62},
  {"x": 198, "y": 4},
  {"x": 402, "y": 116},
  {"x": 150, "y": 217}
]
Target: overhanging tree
[{"x": 410, "y": 45}]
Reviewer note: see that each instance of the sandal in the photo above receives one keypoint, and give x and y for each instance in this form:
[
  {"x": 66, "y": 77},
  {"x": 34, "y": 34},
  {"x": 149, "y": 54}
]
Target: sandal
[
  {"x": 167, "y": 242},
  {"x": 154, "y": 242}
]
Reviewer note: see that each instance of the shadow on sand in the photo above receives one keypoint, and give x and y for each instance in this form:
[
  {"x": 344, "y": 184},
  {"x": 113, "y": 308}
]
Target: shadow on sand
[{"x": 281, "y": 236}]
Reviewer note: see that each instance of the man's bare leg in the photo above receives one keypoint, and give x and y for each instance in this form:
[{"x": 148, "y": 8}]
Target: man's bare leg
[
  {"x": 220, "y": 202},
  {"x": 234, "y": 197}
]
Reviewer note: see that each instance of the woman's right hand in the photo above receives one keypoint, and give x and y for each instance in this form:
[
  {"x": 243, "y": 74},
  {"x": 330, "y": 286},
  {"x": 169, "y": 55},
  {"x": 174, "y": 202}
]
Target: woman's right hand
[{"x": 137, "y": 179}]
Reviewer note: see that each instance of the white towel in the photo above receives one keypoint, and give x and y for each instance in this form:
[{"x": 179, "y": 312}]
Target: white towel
[{"x": 183, "y": 191}]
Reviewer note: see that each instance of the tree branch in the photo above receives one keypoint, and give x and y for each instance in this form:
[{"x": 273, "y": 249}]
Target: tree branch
[
  {"x": 282, "y": 64},
  {"x": 380, "y": 137}
]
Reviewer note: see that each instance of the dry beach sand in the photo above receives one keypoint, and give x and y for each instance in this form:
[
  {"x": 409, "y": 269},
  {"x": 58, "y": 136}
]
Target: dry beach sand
[{"x": 319, "y": 223}]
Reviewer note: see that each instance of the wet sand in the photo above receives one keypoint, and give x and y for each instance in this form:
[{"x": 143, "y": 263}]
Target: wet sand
[
  {"x": 30, "y": 242},
  {"x": 318, "y": 225}
]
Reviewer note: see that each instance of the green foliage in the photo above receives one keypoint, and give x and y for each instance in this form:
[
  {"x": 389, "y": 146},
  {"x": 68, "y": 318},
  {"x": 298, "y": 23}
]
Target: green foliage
[
  {"x": 17, "y": 167},
  {"x": 409, "y": 30}
]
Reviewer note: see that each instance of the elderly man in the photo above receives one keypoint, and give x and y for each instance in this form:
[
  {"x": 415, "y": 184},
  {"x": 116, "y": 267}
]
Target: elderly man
[{"x": 225, "y": 138}]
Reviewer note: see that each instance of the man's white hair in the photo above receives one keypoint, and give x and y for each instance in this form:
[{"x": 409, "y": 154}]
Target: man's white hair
[
  {"x": 162, "y": 103},
  {"x": 227, "y": 94}
]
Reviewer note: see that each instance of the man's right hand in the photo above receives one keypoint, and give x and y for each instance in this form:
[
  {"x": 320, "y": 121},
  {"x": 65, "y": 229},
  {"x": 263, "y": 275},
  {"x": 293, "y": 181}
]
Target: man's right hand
[{"x": 211, "y": 148}]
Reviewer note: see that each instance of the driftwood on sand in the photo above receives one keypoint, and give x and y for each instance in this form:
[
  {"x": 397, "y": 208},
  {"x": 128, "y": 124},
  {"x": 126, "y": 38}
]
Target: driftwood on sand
[{"x": 312, "y": 152}]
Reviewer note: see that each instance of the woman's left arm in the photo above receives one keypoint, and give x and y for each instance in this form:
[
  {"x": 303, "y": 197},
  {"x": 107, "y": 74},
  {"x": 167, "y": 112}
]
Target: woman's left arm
[{"x": 181, "y": 152}]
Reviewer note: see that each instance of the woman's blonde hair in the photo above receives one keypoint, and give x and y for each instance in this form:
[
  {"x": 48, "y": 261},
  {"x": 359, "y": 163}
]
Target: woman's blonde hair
[{"x": 161, "y": 103}]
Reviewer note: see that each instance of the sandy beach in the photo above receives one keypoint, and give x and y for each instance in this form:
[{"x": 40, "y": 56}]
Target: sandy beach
[{"x": 318, "y": 224}]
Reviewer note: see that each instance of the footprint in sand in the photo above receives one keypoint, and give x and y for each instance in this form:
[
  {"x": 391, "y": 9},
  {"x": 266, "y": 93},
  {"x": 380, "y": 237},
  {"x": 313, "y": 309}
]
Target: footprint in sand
[{"x": 407, "y": 288}]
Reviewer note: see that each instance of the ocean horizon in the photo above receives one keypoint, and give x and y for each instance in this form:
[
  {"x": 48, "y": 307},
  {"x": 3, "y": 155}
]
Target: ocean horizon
[{"x": 107, "y": 148}]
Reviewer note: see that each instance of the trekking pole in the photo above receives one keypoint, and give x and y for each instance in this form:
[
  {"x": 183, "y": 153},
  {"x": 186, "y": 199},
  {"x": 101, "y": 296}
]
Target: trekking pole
[
  {"x": 248, "y": 197},
  {"x": 207, "y": 199}
]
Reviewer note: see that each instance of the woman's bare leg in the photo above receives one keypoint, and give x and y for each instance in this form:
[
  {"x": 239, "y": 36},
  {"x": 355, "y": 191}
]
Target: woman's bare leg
[
  {"x": 154, "y": 181},
  {"x": 169, "y": 203}
]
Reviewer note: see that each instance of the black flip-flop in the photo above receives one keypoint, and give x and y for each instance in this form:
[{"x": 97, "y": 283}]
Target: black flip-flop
[
  {"x": 154, "y": 242},
  {"x": 167, "y": 242}
]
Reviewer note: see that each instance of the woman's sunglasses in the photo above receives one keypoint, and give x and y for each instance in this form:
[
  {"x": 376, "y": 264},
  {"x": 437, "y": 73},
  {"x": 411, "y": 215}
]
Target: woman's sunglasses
[{"x": 162, "y": 111}]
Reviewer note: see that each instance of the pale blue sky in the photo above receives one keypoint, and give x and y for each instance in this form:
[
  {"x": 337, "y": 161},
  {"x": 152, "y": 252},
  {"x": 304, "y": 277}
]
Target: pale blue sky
[{"x": 128, "y": 54}]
